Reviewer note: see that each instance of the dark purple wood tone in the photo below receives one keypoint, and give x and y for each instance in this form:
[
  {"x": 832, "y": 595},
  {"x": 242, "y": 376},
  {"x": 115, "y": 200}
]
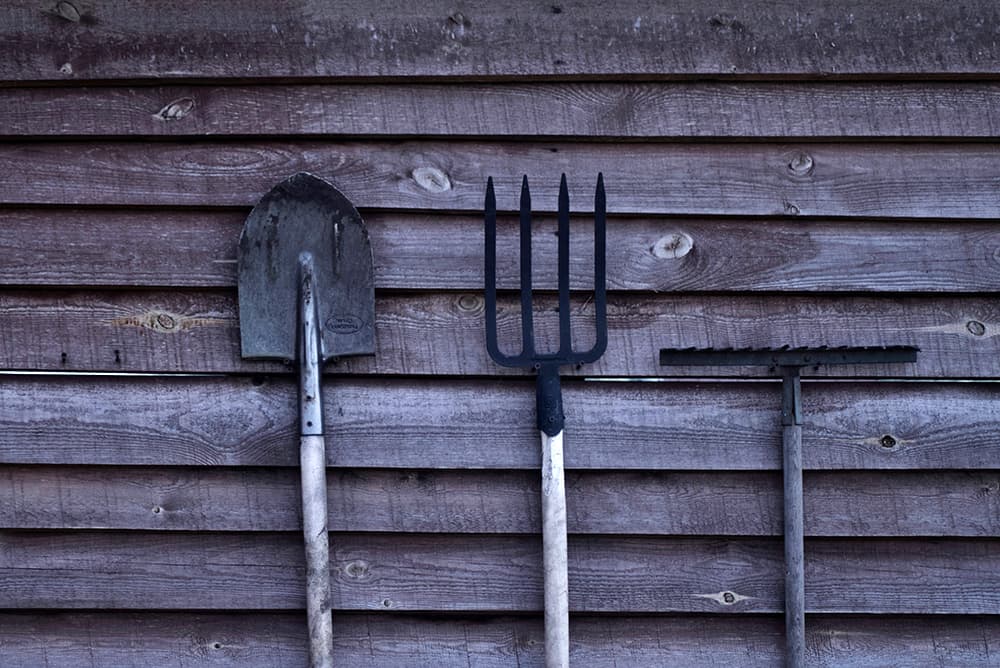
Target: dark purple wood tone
[
  {"x": 434, "y": 333},
  {"x": 849, "y": 503},
  {"x": 75, "y": 41},
  {"x": 268, "y": 639},
  {"x": 911, "y": 180},
  {"x": 409, "y": 424},
  {"x": 483, "y": 573},
  {"x": 197, "y": 248},
  {"x": 778, "y": 174},
  {"x": 786, "y": 110}
]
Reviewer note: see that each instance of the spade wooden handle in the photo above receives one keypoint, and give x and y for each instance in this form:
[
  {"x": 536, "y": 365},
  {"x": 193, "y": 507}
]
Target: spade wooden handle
[{"x": 312, "y": 453}]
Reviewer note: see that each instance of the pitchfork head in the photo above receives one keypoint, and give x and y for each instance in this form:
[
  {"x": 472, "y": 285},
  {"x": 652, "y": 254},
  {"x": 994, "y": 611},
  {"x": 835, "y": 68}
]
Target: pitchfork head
[{"x": 529, "y": 357}]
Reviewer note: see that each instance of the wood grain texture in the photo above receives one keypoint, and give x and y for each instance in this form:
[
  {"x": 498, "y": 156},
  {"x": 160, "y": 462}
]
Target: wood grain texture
[
  {"x": 192, "y": 248},
  {"x": 264, "y": 640},
  {"x": 790, "y": 110},
  {"x": 411, "y": 424},
  {"x": 874, "y": 179},
  {"x": 433, "y": 334},
  {"x": 447, "y": 572},
  {"x": 255, "y": 39},
  {"x": 925, "y": 503}
]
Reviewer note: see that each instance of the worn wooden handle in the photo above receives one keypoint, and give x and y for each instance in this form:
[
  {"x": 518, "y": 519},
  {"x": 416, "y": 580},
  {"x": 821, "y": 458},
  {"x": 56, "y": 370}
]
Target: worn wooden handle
[
  {"x": 795, "y": 603},
  {"x": 312, "y": 454},
  {"x": 555, "y": 553}
]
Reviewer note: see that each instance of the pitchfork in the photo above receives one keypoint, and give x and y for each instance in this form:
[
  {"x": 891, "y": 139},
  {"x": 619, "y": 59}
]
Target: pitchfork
[{"x": 548, "y": 392}]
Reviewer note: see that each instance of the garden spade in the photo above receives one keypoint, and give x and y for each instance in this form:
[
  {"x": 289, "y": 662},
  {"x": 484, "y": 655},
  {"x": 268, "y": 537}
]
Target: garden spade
[{"x": 306, "y": 295}]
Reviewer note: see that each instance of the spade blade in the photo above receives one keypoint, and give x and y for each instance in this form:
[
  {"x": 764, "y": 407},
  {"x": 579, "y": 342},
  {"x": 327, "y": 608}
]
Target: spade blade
[{"x": 305, "y": 214}]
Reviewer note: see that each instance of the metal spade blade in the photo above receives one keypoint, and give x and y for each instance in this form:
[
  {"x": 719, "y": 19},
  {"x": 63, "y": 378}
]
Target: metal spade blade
[{"x": 305, "y": 214}]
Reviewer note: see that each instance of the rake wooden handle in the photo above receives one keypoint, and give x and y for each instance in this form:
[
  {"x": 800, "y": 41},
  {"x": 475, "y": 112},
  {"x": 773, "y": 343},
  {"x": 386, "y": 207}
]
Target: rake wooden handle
[
  {"x": 554, "y": 552},
  {"x": 795, "y": 603},
  {"x": 312, "y": 454}
]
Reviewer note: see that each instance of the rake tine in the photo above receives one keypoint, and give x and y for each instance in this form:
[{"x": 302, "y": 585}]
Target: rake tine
[
  {"x": 527, "y": 325},
  {"x": 565, "y": 338}
]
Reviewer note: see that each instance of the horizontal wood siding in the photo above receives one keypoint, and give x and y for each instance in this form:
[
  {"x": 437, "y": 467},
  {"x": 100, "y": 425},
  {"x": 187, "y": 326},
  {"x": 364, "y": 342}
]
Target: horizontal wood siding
[
  {"x": 807, "y": 175},
  {"x": 266, "y": 639},
  {"x": 654, "y": 110},
  {"x": 900, "y": 180},
  {"x": 412, "y": 423},
  {"x": 863, "y": 503},
  {"x": 179, "y": 247},
  {"x": 586, "y": 38},
  {"x": 433, "y": 333},
  {"x": 488, "y": 573}
]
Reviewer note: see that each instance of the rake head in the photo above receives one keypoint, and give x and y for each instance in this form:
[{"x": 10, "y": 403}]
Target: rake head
[{"x": 529, "y": 357}]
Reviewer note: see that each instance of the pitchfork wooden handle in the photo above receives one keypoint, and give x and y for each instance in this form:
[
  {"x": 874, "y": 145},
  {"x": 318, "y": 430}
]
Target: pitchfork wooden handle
[
  {"x": 554, "y": 551},
  {"x": 549, "y": 395}
]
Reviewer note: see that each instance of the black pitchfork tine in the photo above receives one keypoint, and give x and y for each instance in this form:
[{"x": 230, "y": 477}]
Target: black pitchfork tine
[
  {"x": 565, "y": 355},
  {"x": 549, "y": 396}
]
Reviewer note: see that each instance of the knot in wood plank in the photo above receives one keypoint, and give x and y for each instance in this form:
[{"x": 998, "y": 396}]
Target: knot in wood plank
[
  {"x": 176, "y": 110},
  {"x": 725, "y": 598},
  {"x": 164, "y": 322},
  {"x": 456, "y": 25},
  {"x": 431, "y": 179},
  {"x": 470, "y": 303},
  {"x": 358, "y": 569},
  {"x": 673, "y": 246},
  {"x": 801, "y": 164},
  {"x": 68, "y": 11}
]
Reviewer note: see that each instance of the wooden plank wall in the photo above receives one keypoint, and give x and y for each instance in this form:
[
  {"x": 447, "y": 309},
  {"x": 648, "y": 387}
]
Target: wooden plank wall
[{"x": 777, "y": 174}]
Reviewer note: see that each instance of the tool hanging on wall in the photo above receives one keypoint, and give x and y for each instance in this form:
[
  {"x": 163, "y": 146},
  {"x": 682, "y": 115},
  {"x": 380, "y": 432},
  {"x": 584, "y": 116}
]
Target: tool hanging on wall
[
  {"x": 788, "y": 363},
  {"x": 306, "y": 292},
  {"x": 548, "y": 393}
]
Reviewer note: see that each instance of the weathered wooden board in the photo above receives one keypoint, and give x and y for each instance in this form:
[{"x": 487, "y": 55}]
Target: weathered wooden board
[
  {"x": 197, "y": 331},
  {"x": 76, "y": 41},
  {"x": 265, "y": 640},
  {"x": 407, "y": 423},
  {"x": 447, "y": 572},
  {"x": 872, "y": 179},
  {"x": 789, "y": 110},
  {"x": 192, "y": 248},
  {"x": 926, "y": 503}
]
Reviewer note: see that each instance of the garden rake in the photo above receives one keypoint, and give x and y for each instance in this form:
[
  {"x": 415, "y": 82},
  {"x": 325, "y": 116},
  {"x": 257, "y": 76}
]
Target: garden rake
[
  {"x": 549, "y": 395},
  {"x": 788, "y": 363}
]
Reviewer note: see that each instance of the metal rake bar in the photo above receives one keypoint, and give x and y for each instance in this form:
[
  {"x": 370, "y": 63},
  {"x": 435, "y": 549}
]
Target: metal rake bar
[{"x": 786, "y": 356}]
